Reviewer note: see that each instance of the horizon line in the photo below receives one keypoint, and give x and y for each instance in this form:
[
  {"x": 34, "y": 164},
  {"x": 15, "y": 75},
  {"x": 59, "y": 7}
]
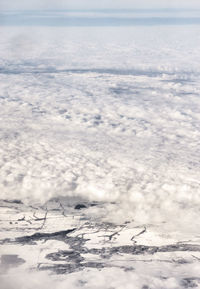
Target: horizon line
[{"x": 122, "y": 10}]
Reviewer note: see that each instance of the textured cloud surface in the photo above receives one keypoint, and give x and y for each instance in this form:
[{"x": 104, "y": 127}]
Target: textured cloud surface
[{"x": 110, "y": 114}]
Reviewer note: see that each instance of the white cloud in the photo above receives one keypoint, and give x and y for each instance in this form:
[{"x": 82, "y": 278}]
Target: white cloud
[{"x": 110, "y": 113}]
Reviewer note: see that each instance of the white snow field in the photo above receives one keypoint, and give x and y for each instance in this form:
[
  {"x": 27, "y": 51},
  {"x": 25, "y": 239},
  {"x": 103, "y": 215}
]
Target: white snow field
[{"x": 106, "y": 118}]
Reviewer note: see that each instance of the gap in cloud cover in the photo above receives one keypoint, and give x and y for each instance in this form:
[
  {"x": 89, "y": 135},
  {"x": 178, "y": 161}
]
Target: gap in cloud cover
[{"x": 100, "y": 17}]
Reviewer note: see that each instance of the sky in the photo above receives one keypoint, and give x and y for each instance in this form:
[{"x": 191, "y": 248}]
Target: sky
[{"x": 96, "y": 4}]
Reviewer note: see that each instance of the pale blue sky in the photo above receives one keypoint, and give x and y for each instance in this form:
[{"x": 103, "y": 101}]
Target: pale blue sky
[{"x": 97, "y": 4}]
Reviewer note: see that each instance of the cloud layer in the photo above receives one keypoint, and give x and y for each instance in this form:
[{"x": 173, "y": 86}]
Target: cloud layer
[{"x": 109, "y": 114}]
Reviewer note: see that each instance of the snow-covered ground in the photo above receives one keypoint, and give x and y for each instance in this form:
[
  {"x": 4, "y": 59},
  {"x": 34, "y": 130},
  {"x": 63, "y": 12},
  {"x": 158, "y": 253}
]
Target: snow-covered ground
[{"x": 108, "y": 115}]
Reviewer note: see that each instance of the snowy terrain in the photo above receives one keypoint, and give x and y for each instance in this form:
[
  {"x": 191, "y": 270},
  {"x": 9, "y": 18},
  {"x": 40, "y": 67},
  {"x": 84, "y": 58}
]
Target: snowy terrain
[{"x": 106, "y": 119}]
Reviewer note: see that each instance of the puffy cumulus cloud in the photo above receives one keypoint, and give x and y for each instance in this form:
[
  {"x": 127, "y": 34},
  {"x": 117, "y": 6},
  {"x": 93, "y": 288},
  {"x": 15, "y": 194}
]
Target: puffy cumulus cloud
[{"x": 104, "y": 113}]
